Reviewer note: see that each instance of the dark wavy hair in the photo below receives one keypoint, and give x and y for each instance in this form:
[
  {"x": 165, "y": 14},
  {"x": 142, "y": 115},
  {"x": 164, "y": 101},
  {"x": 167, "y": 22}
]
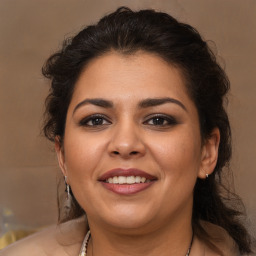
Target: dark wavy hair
[{"x": 127, "y": 32}]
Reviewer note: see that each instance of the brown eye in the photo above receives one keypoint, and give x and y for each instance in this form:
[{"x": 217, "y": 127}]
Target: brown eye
[
  {"x": 95, "y": 120},
  {"x": 161, "y": 120},
  {"x": 158, "y": 121}
]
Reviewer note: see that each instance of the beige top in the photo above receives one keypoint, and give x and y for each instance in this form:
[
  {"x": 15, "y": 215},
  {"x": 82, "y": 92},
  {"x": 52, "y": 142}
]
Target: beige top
[{"x": 66, "y": 240}]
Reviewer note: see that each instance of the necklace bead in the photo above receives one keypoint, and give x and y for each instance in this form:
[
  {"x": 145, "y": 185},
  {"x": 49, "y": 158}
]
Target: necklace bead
[{"x": 83, "y": 251}]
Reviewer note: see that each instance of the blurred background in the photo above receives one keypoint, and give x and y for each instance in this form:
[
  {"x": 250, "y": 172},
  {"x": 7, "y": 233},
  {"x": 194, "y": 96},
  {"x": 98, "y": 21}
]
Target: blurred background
[{"x": 32, "y": 30}]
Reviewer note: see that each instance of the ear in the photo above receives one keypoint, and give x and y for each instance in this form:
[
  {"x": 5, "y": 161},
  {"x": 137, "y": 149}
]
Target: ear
[
  {"x": 209, "y": 154},
  {"x": 60, "y": 154}
]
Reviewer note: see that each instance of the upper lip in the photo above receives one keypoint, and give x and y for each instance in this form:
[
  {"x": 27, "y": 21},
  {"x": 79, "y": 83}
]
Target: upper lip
[{"x": 126, "y": 172}]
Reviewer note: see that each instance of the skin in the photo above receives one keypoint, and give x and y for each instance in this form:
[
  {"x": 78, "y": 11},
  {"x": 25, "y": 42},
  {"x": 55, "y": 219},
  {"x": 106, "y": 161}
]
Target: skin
[{"x": 156, "y": 221}]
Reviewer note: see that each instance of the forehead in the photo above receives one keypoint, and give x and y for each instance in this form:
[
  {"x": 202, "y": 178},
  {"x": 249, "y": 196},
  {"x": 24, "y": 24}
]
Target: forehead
[{"x": 133, "y": 77}]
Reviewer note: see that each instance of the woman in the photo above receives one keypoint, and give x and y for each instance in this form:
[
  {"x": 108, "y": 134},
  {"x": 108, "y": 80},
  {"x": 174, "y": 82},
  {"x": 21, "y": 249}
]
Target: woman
[{"x": 142, "y": 138}]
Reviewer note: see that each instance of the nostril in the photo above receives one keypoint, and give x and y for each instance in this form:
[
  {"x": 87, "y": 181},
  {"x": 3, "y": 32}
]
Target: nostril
[{"x": 131, "y": 153}]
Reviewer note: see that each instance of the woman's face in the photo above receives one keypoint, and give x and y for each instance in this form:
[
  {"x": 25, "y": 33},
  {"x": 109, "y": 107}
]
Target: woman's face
[{"x": 132, "y": 148}]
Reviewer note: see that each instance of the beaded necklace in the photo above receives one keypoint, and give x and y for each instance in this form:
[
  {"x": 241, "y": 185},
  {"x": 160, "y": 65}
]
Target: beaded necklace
[{"x": 83, "y": 251}]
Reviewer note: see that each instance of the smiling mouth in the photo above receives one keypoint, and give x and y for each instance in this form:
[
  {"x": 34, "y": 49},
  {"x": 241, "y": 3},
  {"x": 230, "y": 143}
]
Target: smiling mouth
[{"x": 127, "y": 180}]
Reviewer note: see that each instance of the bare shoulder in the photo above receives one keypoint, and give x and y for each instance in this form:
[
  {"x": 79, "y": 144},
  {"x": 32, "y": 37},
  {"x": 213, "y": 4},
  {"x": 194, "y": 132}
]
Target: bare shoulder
[
  {"x": 221, "y": 239},
  {"x": 64, "y": 239}
]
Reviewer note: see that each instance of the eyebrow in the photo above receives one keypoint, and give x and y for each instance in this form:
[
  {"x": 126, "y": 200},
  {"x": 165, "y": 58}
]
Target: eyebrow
[
  {"x": 159, "y": 101},
  {"x": 150, "y": 102},
  {"x": 97, "y": 102}
]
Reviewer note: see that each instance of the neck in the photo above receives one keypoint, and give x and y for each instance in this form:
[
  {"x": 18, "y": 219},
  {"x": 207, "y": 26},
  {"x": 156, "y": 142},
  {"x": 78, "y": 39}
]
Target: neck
[{"x": 171, "y": 239}]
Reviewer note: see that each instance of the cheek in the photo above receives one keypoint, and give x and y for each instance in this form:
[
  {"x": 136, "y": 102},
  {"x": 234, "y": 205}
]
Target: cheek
[
  {"x": 177, "y": 155},
  {"x": 82, "y": 156},
  {"x": 83, "y": 159}
]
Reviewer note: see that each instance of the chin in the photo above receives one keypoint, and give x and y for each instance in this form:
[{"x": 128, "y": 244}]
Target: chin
[{"x": 129, "y": 221}]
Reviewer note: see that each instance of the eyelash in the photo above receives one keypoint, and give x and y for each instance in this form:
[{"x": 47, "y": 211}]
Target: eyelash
[
  {"x": 103, "y": 120},
  {"x": 168, "y": 120},
  {"x": 85, "y": 121}
]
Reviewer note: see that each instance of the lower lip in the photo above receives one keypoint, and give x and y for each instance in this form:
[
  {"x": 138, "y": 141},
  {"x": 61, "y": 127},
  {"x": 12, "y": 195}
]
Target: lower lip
[{"x": 127, "y": 189}]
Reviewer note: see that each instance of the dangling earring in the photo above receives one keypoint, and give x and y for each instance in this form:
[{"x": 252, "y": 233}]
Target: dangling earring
[
  {"x": 67, "y": 188},
  {"x": 68, "y": 202}
]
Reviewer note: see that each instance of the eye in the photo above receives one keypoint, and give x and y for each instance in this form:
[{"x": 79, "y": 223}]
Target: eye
[
  {"x": 161, "y": 120},
  {"x": 94, "y": 121}
]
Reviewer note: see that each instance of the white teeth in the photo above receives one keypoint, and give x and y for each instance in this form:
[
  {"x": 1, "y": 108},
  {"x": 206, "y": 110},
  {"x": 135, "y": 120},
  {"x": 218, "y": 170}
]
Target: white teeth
[
  {"x": 137, "y": 179},
  {"x": 121, "y": 179},
  {"x": 130, "y": 179},
  {"x": 115, "y": 180},
  {"x": 127, "y": 180}
]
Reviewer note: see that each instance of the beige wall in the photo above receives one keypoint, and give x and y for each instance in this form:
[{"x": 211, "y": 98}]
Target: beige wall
[{"x": 30, "y": 30}]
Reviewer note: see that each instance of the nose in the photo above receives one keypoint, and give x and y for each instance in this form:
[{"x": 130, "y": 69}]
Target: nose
[{"x": 126, "y": 141}]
